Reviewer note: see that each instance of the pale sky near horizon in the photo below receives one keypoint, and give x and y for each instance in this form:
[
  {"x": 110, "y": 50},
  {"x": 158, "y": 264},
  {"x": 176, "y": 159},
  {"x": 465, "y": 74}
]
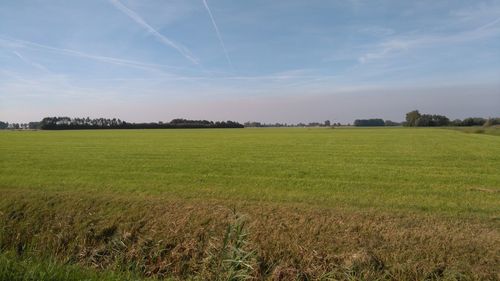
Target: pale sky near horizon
[{"x": 267, "y": 61}]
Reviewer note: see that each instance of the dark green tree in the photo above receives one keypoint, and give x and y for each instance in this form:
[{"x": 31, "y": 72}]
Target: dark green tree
[
  {"x": 369, "y": 122},
  {"x": 392, "y": 123},
  {"x": 412, "y": 117}
]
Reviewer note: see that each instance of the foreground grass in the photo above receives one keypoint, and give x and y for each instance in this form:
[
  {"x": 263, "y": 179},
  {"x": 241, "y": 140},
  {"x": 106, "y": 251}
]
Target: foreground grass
[
  {"x": 15, "y": 268},
  {"x": 207, "y": 240},
  {"x": 265, "y": 204}
]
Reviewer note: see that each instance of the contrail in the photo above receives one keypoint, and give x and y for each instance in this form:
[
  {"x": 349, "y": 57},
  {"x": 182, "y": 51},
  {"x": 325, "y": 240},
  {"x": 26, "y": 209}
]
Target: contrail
[
  {"x": 136, "y": 18},
  {"x": 16, "y": 43},
  {"x": 32, "y": 63},
  {"x": 492, "y": 23},
  {"x": 218, "y": 32}
]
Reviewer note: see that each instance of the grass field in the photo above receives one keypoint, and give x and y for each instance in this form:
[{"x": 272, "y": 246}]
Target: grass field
[{"x": 281, "y": 204}]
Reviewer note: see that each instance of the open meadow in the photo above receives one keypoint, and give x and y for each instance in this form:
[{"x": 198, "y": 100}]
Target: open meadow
[{"x": 263, "y": 204}]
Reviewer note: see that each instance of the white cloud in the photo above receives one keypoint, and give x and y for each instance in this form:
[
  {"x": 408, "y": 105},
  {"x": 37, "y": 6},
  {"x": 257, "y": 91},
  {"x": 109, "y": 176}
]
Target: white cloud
[{"x": 399, "y": 44}]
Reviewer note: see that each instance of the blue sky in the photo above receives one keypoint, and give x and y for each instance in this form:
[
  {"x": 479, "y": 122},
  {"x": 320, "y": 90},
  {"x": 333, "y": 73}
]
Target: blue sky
[{"x": 271, "y": 61}]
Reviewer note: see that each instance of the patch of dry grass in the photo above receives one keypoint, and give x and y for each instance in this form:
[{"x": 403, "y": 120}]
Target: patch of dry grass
[
  {"x": 493, "y": 130},
  {"x": 218, "y": 240}
]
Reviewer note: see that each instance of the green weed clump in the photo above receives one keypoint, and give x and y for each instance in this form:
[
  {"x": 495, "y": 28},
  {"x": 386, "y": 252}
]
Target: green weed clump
[{"x": 231, "y": 259}]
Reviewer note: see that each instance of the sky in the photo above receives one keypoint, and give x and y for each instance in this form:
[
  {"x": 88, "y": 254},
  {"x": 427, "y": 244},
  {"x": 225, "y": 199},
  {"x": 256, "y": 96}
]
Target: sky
[{"x": 269, "y": 61}]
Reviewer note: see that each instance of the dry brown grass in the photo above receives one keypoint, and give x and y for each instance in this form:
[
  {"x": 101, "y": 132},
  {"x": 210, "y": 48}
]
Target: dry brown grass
[{"x": 200, "y": 239}]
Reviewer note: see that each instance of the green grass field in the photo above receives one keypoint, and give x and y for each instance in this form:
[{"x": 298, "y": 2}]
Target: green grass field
[{"x": 350, "y": 203}]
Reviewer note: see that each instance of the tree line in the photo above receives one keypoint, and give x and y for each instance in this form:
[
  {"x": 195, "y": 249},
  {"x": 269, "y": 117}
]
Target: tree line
[
  {"x": 67, "y": 123},
  {"x": 375, "y": 122},
  {"x": 20, "y": 126},
  {"x": 416, "y": 119},
  {"x": 413, "y": 119},
  {"x": 325, "y": 123}
]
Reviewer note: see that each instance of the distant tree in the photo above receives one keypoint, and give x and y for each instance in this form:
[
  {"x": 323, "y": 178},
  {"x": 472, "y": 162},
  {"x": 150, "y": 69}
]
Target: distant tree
[
  {"x": 412, "y": 117},
  {"x": 314, "y": 124},
  {"x": 4, "y": 125},
  {"x": 369, "y": 122},
  {"x": 488, "y": 123},
  {"x": 327, "y": 123},
  {"x": 492, "y": 122},
  {"x": 391, "y": 123},
  {"x": 427, "y": 120},
  {"x": 415, "y": 119},
  {"x": 473, "y": 121},
  {"x": 456, "y": 122},
  {"x": 440, "y": 120},
  {"x": 33, "y": 125},
  {"x": 253, "y": 124},
  {"x": 258, "y": 124}
]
